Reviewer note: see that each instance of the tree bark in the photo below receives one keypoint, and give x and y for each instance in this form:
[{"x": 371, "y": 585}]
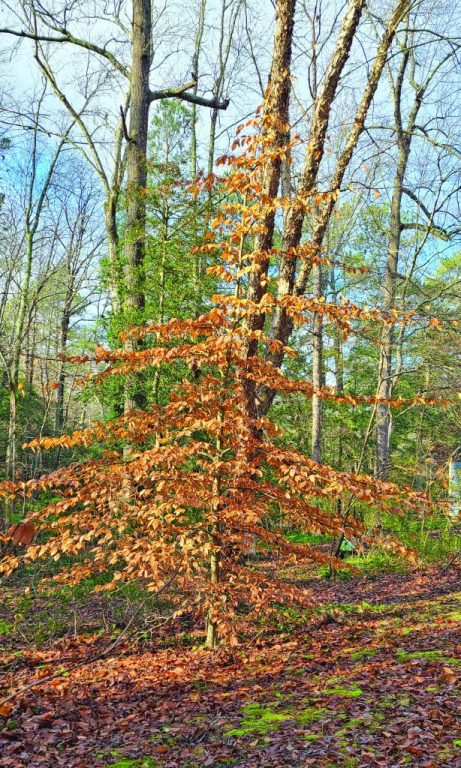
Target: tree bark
[
  {"x": 290, "y": 282},
  {"x": 317, "y": 369},
  {"x": 276, "y": 120},
  {"x": 136, "y": 161}
]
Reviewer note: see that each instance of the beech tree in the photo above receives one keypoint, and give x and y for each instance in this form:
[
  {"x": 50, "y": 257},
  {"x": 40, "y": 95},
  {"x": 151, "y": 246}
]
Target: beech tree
[{"x": 203, "y": 474}]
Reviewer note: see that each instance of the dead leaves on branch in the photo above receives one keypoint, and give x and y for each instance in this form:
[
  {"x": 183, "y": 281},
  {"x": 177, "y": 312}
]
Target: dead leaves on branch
[{"x": 202, "y": 472}]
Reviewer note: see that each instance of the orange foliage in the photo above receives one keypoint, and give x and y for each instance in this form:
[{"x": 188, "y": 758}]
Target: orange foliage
[{"x": 182, "y": 488}]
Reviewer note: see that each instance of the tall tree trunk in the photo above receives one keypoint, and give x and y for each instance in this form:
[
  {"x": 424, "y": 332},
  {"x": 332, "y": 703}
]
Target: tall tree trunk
[
  {"x": 136, "y": 164},
  {"x": 215, "y": 564},
  {"x": 385, "y": 378},
  {"x": 275, "y": 120},
  {"x": 193, "y": 148},
  {"x": 289, "y": 282},
  {"x": 63, "y": 336},
  {"x": 317, "y": 368},
  {"x": 13, "y": 375},
  {"x": 339, "y": 368},
  {"x": 137, "y": 160},
  {"x": 115, "y": 271},
  {"x": 195, "y": 72}
]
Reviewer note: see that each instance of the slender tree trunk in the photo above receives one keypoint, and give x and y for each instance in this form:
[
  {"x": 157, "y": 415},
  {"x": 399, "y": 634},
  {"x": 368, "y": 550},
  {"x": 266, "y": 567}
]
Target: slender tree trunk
[
  {"x": 195, "y": 73},
  {"x": 385, "y": 365},
  {"x": 63, "y": 336},
  {"x": 12, "y": 429},
  {"x": 215, "y": 565},
  {"x": 193, "y": 147},
  {"x": 386, "y": 377},
  {"x": 317, "y": 368},
  {"x": 339, "y": 369},
  {"x": 162, "y": 289},
  {"x": 211, "y": 626},
  {"x": 276, "y": 113},
  {"x": 16, "y": 357},
  {"x": 115, "y": 271}
]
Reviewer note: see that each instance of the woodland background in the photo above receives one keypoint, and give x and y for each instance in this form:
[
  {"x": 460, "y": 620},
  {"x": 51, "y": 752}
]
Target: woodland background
[
  {"x": 230, "y": 381},
  {"x": 70, "y": 273}
]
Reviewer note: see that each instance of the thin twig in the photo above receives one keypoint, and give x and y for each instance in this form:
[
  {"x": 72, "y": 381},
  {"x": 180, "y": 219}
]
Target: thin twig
[{"x": 105, "y": 652}]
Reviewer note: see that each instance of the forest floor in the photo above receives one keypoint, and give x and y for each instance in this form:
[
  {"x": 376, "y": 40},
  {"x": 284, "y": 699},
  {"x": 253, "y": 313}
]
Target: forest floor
[{"x": 370, "y": 678}]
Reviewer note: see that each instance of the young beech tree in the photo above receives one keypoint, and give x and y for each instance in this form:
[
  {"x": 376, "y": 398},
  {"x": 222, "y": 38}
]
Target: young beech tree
[{"x": 202, "y": 476}]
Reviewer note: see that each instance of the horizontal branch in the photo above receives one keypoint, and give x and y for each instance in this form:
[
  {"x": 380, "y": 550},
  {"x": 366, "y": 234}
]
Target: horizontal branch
[
  {"x": 181, "y": 92},
  {"x": 436, "y": 231}
]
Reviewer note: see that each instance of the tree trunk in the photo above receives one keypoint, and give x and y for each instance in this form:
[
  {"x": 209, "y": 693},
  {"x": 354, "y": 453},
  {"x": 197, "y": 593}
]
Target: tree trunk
[
  {"x": 339, "y": 371},
  {"x": 289, "y": 282},
  {"x": 115, "y": 271},
  {"x": 211, "y": 626},
  {"x": 12, "y": 429},
  {"x": 276, "y": 120},
  {"x": 137, "y": 161},
  {"x": 317, "y": 369},
  {"x": 135, "y": 225},
  {"x": 13, "y": 374},
  {"x": 63, "y": 336},
  {"x": 195, "y": 72}
]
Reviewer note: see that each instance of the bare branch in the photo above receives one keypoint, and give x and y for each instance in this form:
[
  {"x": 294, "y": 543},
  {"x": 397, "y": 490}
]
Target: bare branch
[{"x": 66, "y": 37}]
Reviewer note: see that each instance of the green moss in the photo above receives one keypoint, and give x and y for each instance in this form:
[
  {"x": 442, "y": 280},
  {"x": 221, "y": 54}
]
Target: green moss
[
  {"x": 364, "y": 654},
  {"x": 457, "y": 743},
  {"x": 387, "y": 701},
  {"x": 200, "y": 685},
  {"x": 6, "y": 628},
  {"x": 354, "y": 722},
  {"x": 403, "y": 655},
  {"x": 258, "y": 719},
  {"x": 310, "y": 714},
  {"x": 312, "y": 736},
  {"x": 341, "y": 691},
  {"x": 262, "y": 719},
  {"x": 362, "y": 607},
  {"x": 143, "y": 762}
]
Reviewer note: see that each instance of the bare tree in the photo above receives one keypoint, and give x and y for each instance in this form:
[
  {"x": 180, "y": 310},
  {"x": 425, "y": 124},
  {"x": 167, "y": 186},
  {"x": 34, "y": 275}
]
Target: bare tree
[{"x": 408, "y": 74}]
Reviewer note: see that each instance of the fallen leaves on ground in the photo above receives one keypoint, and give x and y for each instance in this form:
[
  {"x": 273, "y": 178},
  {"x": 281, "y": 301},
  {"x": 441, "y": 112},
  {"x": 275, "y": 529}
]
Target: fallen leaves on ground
[{"x": 376, "y": 684}]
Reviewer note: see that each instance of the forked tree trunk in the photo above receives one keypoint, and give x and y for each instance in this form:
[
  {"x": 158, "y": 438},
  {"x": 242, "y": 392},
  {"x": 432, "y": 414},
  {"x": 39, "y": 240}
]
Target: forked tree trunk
[{"x": 290, "y": 282}]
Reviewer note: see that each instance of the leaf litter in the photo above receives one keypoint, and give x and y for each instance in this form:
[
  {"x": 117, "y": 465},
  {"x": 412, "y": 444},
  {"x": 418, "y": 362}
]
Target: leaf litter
[{"x": 371, "y": 678}]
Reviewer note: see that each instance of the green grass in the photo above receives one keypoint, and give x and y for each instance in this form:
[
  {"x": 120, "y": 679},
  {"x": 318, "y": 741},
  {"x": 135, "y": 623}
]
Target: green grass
[{"x": 301, "y": 537}]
